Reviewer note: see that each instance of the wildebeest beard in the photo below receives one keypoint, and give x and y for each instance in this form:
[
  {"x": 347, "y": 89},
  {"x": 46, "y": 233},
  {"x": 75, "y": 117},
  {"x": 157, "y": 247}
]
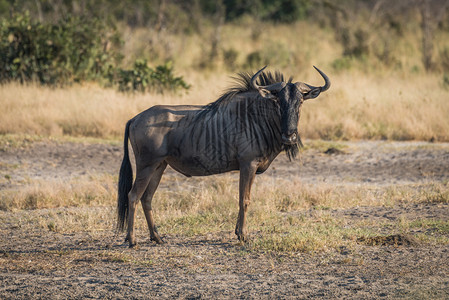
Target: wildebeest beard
[{"x": 293, "y": 149}]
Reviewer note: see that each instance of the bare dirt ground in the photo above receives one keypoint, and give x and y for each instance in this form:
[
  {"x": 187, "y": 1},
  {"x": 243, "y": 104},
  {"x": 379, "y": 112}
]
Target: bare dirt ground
[{"x": 40, "y": 263}]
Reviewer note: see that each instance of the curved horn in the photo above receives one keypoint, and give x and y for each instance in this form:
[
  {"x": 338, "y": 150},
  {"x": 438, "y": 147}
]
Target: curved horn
[
  {"x": 327, "y": 82},
  {"x": 254, "y": 78}
]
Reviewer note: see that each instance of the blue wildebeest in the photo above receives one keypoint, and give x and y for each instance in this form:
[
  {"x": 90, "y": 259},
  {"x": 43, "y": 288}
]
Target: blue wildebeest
[{"x": 245, "y": 129}]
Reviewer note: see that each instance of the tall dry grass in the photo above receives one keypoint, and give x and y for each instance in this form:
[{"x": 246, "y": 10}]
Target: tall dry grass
[
  {"x": 357, "y": 106},
  {"x": 369, "y": 99},
  {"x": 77, "y": 111},
  {"x": 372, "y": 107}
]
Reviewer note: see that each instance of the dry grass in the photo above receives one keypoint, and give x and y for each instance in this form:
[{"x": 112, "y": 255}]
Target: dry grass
[
  {"x": 216, "y": 195},
  {"x": 380, "y": 108},
  {"x": 367, "y": 101},
  {"x": 357, "y": 107},
  {"x": 285, "y": 216},
  {"x": 179, "y": 196},
  {"x": 86, "y": 191},
  {"x": 79, "y": 110}
]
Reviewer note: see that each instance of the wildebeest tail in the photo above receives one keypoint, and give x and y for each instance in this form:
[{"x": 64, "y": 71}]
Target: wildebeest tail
[{"x": 125, "y": 183}]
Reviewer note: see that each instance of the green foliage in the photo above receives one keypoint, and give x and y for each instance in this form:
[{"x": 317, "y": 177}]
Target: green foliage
[
  {"x": 444, "y": 59},
  {"x": 279, "y": 11},
  {"x": 72, "y": 50},
  {"x": 286, "y": 10},
  {"x": 341, "y": 64},
  {"x": 355, "y": 41},
  {"x": 179, "y": 15},
  {"x": 372, "y": 35},
  {"x": 276, "y": 54},
  {"x": 143, "y": 78},
  {"x": 446, "y": 80},
  {"x": 254, "y": 59},
  {"x": 230, "y": 58}
]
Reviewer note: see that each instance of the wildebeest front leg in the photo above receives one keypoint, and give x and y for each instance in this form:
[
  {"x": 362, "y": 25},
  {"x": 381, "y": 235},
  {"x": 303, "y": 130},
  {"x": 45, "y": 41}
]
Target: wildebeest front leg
[
  {"x": 247, "y": 174},
  {"x": 143, "y": 177},
  {"x": 147, "y": 199}
]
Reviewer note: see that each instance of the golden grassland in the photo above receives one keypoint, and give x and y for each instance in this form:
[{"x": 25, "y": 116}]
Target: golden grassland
[
  {"x": 369, "y": 99},
  {"x": 356, "y": 107},
  {"x": 285, "y": 216}
]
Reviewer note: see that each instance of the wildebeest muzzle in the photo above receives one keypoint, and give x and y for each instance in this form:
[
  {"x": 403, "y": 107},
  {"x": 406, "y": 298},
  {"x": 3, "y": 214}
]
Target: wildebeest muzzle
[{"x": 290, "y": 139}]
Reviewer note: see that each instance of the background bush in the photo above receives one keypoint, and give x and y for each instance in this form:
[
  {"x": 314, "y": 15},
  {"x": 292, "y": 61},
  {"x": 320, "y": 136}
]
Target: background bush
[
  {"x": 143, "y": 78},
  {"x": 62, "y": 42},
  {"x": 75, "y": 49}
]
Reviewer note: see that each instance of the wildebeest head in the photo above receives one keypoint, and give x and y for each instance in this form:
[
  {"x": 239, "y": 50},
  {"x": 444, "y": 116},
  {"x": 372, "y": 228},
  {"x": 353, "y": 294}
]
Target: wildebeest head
[{"x": 290, "y": 97}]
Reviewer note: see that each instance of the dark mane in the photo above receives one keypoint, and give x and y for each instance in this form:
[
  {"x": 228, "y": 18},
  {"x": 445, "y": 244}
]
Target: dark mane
[
  {"x": 243, "y": 80},
  {"x": 242, "y": 85}
]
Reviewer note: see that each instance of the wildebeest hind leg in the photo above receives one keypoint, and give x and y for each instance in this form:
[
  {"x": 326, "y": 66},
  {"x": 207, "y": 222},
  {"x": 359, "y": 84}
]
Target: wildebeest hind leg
[
  {"x": 143, "y": 176},
  {"x": 147, "y": 199}
]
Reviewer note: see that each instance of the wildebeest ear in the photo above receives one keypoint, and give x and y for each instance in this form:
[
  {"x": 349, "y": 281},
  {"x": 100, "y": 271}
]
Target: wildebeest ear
[
  {"x": 267, "y": 94},
  {"x": 313, "y": 93},
  {"x": 307, "y": 91},
  {"x": 271, "y": 91}
]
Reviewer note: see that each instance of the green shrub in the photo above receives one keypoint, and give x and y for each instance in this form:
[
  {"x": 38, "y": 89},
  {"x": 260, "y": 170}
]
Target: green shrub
[
  {"x": 446, "y": 80},
  {"x": 273, "y": 54},
  {"x": 254, "y": 59},
  {"x": 277, "y": 54},
  {"x": 230, "y": 58},
  {"x": 342, "y": 63},
  {"x": 444, "y": 59},
  {"x": 278, "y": 11},
  {"x": 72, "y": 50},
  {"x": 143, "y": 78}
]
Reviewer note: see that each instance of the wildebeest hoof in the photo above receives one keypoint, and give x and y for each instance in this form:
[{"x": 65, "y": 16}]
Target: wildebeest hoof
[
  {"x": 242, "y": 238},
  {"x": 158, "y": 240},
  {"x": 132, "y": 242}
]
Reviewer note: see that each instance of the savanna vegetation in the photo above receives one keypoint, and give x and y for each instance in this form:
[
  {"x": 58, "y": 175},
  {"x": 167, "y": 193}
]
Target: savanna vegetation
[
  {"x": 286, "y": 216},
  {"x": 63, "y": 62},
  {"x": 78, "y": 70}
]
